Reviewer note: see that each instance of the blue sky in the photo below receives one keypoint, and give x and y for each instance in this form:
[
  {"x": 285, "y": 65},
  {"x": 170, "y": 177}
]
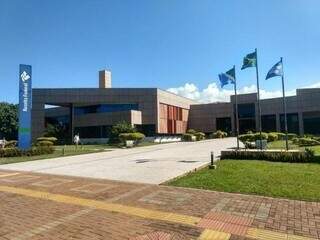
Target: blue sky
[{"x": 163, "y": 43}]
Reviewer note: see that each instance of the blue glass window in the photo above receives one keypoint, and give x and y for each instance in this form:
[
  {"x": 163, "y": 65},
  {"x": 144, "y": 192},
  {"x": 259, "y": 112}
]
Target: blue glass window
[
  {"x": 246, "y": 110},
  {"x": 103, "y": 108}
]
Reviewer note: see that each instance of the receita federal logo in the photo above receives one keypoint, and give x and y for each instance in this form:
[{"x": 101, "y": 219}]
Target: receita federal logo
[{"x": 24, "y": 76}]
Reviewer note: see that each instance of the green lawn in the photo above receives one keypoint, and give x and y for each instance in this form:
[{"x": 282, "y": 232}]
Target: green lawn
[
  {"x": 285, "y": 180},
  {"x": 69, "y": 151}
]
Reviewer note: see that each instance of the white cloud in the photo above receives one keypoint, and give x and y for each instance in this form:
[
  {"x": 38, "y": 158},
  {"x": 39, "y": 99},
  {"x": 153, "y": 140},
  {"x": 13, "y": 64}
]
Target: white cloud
[{"x": 213, "y": 93}]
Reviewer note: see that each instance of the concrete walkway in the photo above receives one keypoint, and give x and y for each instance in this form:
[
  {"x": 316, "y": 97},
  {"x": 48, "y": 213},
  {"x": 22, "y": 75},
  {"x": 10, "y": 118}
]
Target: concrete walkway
[{"x": 152, "y": 164}]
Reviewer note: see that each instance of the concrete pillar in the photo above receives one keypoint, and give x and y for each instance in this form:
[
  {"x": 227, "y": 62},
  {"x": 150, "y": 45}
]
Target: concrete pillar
[{"x": 301, "y": 127}]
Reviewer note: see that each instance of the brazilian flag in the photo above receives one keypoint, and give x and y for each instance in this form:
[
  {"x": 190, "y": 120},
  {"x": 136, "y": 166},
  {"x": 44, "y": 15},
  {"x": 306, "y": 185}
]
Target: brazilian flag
[{"x": 250, "y": 60}]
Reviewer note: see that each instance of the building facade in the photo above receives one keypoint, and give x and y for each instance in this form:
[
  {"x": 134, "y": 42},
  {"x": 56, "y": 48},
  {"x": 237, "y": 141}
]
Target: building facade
[
  {"x": 303, "y": 114},
  {"x": 92, "y": 112}
]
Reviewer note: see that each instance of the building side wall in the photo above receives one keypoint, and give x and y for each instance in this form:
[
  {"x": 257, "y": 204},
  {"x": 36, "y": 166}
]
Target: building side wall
[{"x": 202, "y": 117}]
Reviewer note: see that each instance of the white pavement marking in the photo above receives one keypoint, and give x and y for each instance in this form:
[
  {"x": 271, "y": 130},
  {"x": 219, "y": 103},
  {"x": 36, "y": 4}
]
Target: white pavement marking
[{"x": 153, "y": 164}]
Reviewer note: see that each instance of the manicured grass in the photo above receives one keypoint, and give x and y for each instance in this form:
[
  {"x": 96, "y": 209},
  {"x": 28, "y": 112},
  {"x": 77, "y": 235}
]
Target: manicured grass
[
  {"x": 69, "y": 150},
  {"x": 285, "y": 180}
]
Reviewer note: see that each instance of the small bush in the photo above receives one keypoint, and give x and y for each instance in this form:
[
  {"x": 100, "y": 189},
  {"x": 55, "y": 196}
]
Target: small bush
[
  {"x": 16, "y": 152},
  {"x": 188, "y": 137},
  {"x": 11, "y": 144},
  {"x": 131, "y": 136},
  {"x": 281, "y": 136},
  {"x": 117, "y": 129},
  {"x": 291, "y": 136},
  {"x": 247, "y": 138},
  {"x": 305, "y": 142},
  {"x": 44, "y": 143},
  {"x": 264, "y": 136},
  {"x": 218, "y": 134},
  {"x": 191, "y": 131},
  {"x": 272, "y": 137},
  {"x": 200, "y": 136},
  {"x": 293, "y": 157},
  {"x": 252, "y": 137},
  {"x": 50, "y": 139}
]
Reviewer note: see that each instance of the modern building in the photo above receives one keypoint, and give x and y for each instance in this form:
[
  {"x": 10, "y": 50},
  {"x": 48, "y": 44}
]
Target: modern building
[{"x": 91, "y": 112}]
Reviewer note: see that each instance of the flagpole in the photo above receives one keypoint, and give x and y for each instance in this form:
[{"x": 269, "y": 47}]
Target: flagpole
[
  {"x": 259, "y": 107},
  {"x": 236, "y": 102},
  {"x": 284, "y": 108}
]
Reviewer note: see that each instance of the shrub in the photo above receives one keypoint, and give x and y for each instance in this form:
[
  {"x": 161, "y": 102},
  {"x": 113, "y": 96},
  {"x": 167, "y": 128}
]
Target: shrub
[
  {"x": 305, "y": 141},
  {"x": 11, "y": 144},
  {"x": 293, "y": 157},
  {"x": 247, "y": 138},
  {"x": 44, "y": 143},
  {"x": 218, "y": 134},
  {"x": 272, "y": 137},
  {"x": 191, "y": 131},
  {"x": 200, "y": 136},
  {"x": 131, "y": 136},
  {"x": 291, "y": 136},
  {"x": 188, "y": 137},
  {"x": 264, "y": 136},
  {"x": 117, "y": 129},
  {"x": 10, "y": 152},
  {"x": 16, "y": 152},
  {"x": 281, "y": 136},
  {"x": 50, "y": 139},
  {"x": 252, "y": 137}
]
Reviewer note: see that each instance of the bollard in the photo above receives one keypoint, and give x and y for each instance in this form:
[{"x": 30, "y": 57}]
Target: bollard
[
  {"x": 212, "y": 165},
  {"x": 63, "y": 150}
]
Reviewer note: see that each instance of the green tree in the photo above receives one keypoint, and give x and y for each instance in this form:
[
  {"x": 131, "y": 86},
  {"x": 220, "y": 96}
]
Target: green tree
[
  {"x": 8, "y": 121},
  {"x": 117, "y": 129}
]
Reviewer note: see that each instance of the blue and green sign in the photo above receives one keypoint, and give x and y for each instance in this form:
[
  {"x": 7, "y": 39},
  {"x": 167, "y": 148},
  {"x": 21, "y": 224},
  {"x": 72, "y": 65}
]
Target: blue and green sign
[{"x": 25, "y": 105}]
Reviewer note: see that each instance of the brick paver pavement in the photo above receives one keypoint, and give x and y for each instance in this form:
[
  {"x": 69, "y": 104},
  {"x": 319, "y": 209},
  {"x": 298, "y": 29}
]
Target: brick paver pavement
[{"x": 38, "y": 206}]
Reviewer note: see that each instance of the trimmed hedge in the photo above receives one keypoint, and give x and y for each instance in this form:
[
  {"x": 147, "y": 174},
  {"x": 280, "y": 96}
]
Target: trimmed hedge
[
  {"x": 252, "y": 137},
  {"x": 305, "y": 142},
  {"x": 136, "y": 136},
  {"x": 200, "y": 136},
  {"x": 187, "y": 137},
  {"x": 44, "y": 143},
  {"x": 191, "y": 131},
  {"x": 292, "y": 157},
  {"x": 50, "y": 139},
  {"x": 11, "y": 144},
  {"x": 272, "y": 137},
  {"x": 218, "y": 134},
  {"x": 16, "y": 152}
]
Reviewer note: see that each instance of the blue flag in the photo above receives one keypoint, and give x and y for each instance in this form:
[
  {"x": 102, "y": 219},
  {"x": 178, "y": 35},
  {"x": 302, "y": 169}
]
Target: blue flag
[
  {"x": 228, "y": 77},
  {"x": 275, "y": 71}
]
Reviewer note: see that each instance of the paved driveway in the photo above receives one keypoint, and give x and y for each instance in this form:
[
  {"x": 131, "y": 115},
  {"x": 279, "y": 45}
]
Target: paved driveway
[{"x": 153, "y": 164}]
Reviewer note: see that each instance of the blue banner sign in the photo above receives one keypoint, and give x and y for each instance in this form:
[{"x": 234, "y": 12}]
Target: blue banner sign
[{"x": 25, "y": 105}]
